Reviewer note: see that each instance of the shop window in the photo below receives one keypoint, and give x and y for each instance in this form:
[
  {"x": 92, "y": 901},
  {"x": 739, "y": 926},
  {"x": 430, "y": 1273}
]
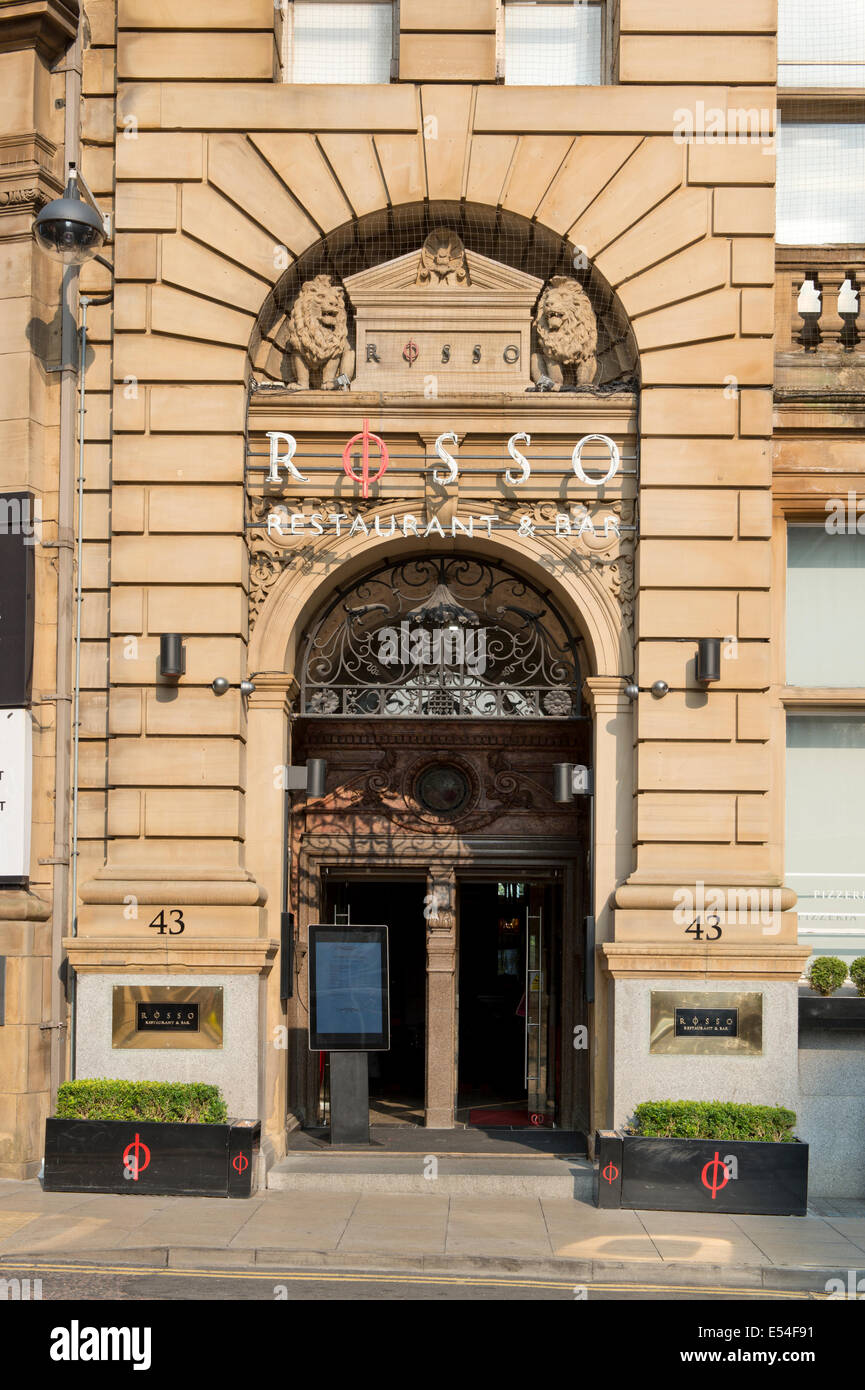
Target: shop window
[
  {"x": 338, "y": 41},
  {"x": 552, "y": 45},
  {"x": 820, "y": 44},
  {"x": 826, "y": 601},
  {"x": 825, "y": 780},
  {"x": 826, "y": 830}
]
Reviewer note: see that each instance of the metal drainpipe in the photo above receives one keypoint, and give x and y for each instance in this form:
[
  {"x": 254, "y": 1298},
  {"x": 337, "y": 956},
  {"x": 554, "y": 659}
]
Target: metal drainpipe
[
  {"x": 65, "y": 586},
  {"x": 85, "y": 302}
]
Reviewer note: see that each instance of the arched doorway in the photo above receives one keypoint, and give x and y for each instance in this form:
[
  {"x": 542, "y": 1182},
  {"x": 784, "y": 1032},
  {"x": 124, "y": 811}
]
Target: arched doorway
[
  {"x": 448, "y": 426},
  {"x": 441, "y": 689}
]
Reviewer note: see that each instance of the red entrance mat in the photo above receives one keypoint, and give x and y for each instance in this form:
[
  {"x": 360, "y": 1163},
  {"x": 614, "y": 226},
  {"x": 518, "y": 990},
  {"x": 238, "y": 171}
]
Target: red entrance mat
[{"x": 508, "y": 1119}]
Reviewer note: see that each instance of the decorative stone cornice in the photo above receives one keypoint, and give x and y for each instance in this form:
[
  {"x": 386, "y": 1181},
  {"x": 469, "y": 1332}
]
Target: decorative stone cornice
[
  {"x": 27, "y": 179},
  {"x": 49, "y": 26},
  {"x": 606, "y": 695},
  {"x": 274, "y": 690},
  {"x": 637, "y": 961},
  {"x": 215, "y": 954}
]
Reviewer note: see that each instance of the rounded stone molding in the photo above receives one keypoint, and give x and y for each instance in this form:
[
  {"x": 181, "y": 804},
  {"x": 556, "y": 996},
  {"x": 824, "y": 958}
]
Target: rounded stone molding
[{"x": 625, "y": 961}]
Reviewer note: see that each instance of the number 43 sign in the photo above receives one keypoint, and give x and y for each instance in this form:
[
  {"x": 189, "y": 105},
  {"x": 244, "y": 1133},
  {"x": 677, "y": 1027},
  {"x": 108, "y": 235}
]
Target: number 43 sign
[{"x": 159, "y": 923}]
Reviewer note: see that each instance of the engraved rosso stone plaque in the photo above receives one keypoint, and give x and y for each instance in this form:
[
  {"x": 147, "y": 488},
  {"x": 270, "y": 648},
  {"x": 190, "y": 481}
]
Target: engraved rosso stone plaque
[{"x": 469, "y": 328}]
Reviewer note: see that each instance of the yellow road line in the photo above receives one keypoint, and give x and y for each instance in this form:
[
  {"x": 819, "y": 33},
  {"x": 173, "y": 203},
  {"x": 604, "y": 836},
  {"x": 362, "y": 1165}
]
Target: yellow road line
[{"x": 314, "y": 1275}]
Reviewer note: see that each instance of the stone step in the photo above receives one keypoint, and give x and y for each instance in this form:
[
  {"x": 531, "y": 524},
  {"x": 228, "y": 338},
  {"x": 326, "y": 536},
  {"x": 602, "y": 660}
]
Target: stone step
[{"x": 529, "y": 1176}]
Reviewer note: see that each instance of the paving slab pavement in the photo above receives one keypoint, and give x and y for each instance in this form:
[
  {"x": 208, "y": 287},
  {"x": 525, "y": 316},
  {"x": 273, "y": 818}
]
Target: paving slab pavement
[{"x": 435, "y": 1231}]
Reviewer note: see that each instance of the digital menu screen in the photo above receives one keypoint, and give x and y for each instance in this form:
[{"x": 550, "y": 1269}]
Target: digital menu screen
[{"x": 348, "y": 994}]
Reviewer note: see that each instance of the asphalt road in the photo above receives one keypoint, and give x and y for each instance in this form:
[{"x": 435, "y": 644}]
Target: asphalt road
[{"x": 88, "y": 1283}]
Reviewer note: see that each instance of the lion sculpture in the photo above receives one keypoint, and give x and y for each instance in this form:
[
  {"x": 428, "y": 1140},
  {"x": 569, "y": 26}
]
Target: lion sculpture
[
  {"x": 567, "y": 334},
  {"x": 318, "y": 347}
]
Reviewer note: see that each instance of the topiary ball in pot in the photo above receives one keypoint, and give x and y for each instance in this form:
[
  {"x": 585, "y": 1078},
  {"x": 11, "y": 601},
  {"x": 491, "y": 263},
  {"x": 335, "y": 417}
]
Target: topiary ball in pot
[
  {"x": 826, "y": 974},
  {"x": 857, "y": 974}
]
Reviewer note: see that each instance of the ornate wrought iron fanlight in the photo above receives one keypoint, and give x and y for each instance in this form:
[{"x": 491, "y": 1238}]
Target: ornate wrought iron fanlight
[{"x": 441, "y": 637}]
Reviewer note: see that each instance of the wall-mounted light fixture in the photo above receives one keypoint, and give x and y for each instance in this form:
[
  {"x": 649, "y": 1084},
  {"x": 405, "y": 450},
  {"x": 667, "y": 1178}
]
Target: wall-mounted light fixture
[
  {"x": 659, "y": 689},
  {"x": 708, "y": 660},
  {"x": 172, "y": 656},
  {"x": 309, "y": 778}
]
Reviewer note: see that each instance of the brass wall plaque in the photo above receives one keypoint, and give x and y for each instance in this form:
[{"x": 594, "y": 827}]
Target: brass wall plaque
[
  {"x": 726, "y": 1025},
  {"x": 179, "y": 1016}
]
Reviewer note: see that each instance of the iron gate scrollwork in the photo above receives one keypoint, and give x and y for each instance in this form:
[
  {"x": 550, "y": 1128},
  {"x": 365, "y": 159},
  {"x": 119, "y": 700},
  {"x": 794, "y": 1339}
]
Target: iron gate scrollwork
[{"x": 441, "y": 637}]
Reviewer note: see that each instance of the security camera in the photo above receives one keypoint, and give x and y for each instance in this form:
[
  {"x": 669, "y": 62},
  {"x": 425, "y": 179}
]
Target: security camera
[{"x": 69, "y": 229}]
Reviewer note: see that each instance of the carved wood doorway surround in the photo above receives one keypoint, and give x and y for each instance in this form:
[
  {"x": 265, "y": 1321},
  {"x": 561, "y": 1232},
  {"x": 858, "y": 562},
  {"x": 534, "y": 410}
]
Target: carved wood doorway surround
[{"x": 372, "y": 822}]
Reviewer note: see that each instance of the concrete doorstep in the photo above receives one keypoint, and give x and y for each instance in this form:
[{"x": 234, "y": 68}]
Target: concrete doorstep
[
  {"x": 435, "y": 1174},
  {"x": 436, "y": 1233}
]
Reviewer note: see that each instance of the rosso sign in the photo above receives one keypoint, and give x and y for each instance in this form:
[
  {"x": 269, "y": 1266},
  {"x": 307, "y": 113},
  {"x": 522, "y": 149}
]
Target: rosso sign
[{"x": 283, "y": 448}]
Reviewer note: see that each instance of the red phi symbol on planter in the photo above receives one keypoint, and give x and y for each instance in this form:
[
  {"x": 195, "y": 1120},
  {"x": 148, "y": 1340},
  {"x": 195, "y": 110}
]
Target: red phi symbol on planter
[
  {"x": 610, "y": 1173},
  {"x": 718, "y": 1167},
  {"x": 132, "y": 1161},
  {"x": 364, "y": 438},
  {"x": 239, "y": 1163}
]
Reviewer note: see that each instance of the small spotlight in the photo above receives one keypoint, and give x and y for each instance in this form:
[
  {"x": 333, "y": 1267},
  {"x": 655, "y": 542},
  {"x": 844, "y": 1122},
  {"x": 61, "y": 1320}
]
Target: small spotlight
[
  {"x": 708, "y": 660},
  {"x": 172, "y": 656},
  {"x": 570, "y": 780},
  {"x": 659, "y": 689},
  {"x": 316, "y": 772}
]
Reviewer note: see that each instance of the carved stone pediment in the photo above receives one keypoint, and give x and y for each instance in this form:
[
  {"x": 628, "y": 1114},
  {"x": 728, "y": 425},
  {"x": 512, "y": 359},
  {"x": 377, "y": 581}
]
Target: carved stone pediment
[{"x": 467, "y": 327}]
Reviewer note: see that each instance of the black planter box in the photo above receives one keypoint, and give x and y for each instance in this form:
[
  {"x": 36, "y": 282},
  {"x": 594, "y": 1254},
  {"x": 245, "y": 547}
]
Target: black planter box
[
  {"x": 134, "y": 1156},
  {"x": 848, "y": 1012},
  {"x": 608, "y": 1148},
  {"x": 763, "y": 1179}
]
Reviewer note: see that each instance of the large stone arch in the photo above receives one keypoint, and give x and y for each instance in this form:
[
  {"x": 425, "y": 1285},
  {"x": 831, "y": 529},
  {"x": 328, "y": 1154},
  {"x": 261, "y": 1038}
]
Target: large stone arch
[
  {"x": 500, "y": 235},
  {"x": 286, "y": 177}
]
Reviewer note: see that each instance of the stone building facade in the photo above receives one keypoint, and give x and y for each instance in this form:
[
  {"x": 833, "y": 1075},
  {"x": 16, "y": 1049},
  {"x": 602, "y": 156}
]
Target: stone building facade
[{"x": 293, "y": 259}]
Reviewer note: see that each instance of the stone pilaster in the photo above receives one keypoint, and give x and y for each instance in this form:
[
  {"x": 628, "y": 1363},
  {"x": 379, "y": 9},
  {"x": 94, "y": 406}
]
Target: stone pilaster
[{"x": 441, "y": 1030}]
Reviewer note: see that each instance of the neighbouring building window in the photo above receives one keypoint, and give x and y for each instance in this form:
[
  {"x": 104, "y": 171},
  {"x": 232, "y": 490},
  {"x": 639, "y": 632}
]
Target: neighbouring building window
[
  {"x": 552, "y": 45},
  {"x": 826, "y": 606},
  {"x": 826, "y": 830},
  {"x": 338, "y": 41},
  {"x": 820, "y": 182},
  {"x": 825, "y": 779},
  {"x": 821, "y": 43}
]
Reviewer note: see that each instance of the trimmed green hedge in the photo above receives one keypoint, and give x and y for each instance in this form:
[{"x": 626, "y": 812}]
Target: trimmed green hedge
[
  {"x": 857, "y": 974},
  {"x": 714, "y": 1119},
  {"x": 182, "y": 1102},
  {"x": 826, "y": 974}
]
